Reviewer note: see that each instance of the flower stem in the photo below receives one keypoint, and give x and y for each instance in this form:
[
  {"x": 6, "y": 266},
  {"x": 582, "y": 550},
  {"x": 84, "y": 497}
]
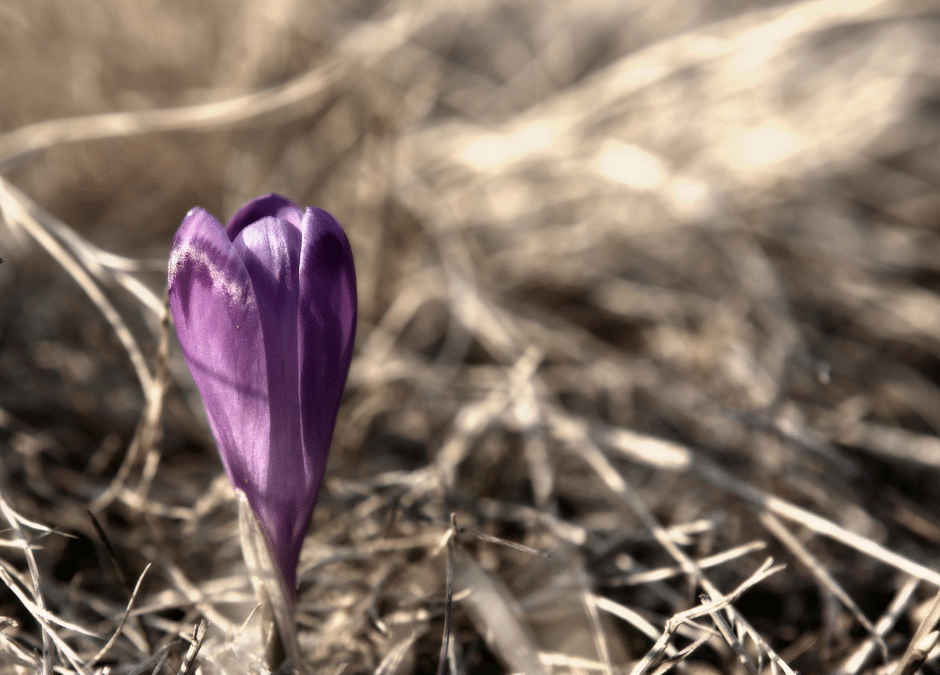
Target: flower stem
[
  {"x": 278, "y": 624},
  {"x": 275, "y": 653}
]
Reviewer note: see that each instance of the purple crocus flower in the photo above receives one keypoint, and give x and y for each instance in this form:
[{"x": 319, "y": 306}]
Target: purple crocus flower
[{"x": 265, "y": 311}]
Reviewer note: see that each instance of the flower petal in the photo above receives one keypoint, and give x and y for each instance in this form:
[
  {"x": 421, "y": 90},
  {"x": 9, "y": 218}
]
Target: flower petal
[
  {"x": 219, "y": 327},
  {"x": 283, "y": 494},
  {"x": 265, "y": 309},
  {"x": 272, "y": 204},
  {"x": 327, "y": 319}
]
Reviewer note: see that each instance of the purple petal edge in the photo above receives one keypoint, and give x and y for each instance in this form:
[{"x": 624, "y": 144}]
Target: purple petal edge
[
  {"x": 218, "y": 324},
  {"x": 269, "y": 205}
]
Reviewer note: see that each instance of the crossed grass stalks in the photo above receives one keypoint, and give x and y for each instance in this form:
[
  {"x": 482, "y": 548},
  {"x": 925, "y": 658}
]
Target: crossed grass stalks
[{"x": 521, "y": 397}]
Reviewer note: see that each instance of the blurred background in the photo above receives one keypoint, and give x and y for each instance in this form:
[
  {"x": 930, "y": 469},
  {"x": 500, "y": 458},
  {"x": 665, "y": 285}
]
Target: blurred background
[{"x": 650, "y": 287}]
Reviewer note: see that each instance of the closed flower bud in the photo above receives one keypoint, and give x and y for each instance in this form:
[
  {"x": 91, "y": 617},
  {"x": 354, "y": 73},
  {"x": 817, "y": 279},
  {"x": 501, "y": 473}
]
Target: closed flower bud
[{"x": 265, "y": 311}]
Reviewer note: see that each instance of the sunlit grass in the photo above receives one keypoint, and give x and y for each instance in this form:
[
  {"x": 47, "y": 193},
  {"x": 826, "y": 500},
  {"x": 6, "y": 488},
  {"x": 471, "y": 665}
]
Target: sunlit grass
[{"x": 649, "y": 288}]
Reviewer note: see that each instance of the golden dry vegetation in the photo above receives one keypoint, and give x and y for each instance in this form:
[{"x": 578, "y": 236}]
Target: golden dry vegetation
[{"x": 648, "y": 365}]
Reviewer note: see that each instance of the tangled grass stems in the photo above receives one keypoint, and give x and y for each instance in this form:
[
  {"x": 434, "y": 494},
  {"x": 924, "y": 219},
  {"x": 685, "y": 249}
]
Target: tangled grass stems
[{"x": 650, "y": 291}]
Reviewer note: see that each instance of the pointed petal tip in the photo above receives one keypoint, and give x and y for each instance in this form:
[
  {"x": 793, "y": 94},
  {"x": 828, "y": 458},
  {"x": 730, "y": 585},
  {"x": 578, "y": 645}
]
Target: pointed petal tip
[
  {"x": 330, "y": 255},
  {"x": 271, "y": 204},
  {"x": 322, "y": 219},
  {"x": 198, "y": 228},
  {"x": 196, "y": 220}
]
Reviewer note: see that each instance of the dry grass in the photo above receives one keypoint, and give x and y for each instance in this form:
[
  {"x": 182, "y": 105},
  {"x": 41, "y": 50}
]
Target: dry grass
[{"x": 648, "y": 287}]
